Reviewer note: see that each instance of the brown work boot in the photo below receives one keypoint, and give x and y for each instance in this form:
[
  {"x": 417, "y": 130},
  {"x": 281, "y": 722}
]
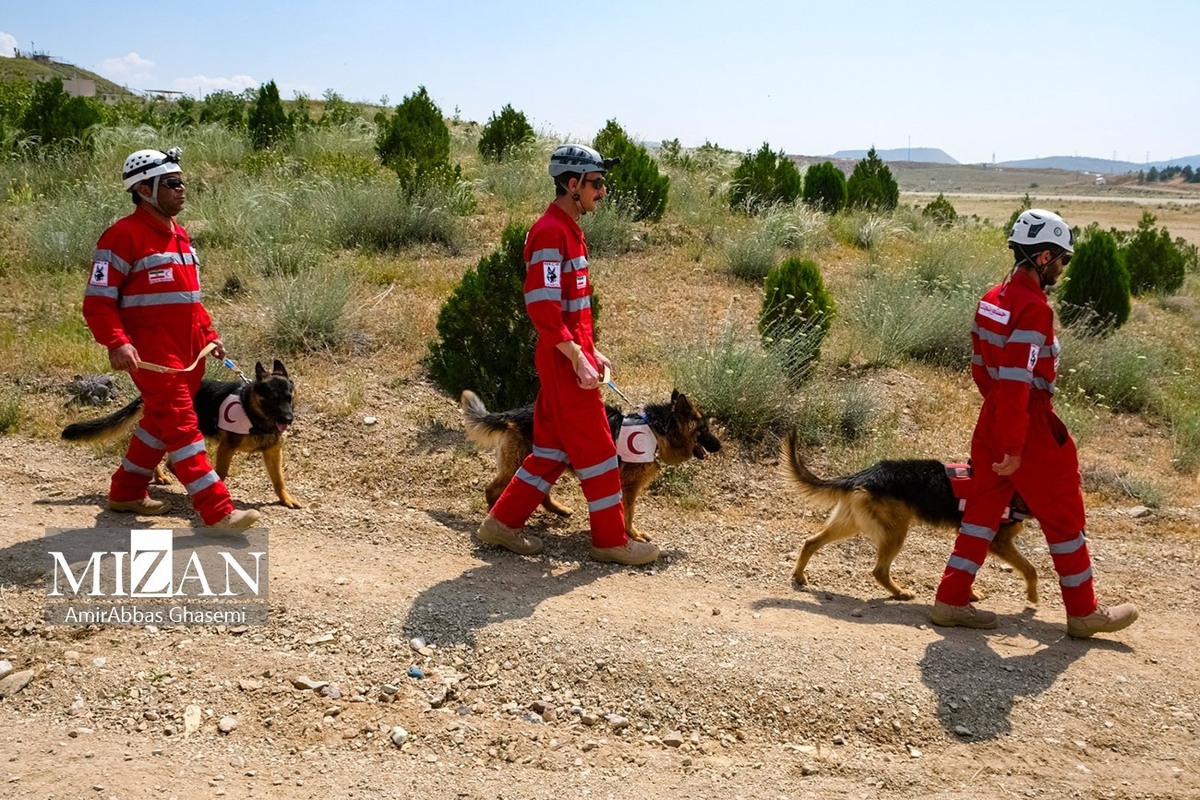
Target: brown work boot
[
  {"x": 235, "y": 521},
  {"x": 967, "y": 616},
  {"x": 1103, "y": 620},
  {"x": 146, "y": 507},
  {"x": 493, "y": 531},
  {"x": 633, "y": 553}
]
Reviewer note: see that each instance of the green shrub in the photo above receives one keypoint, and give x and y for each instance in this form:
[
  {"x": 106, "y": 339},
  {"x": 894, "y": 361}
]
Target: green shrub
[
  {"x": 754, "y": 251},
  {"x": 366, "y": 216},
  {"x": 10, "y": 408},
  {"x": 871, "y": 185},
  {"x": 415, "y": 142},
  {"x": 1114, "y": 370},
  {"x": 268, "y": 124},
  {"x": 636, "y": 180},
  {"x": 796, "y": 306},
  {"x": 1095, "y": 293},
  {"x": 941, "y": 211},
  {"x": 486, "y": 341},
  {"x": 309, "y": 309},
  {"x": 736, "y": 380},
  {"x": 505, "y": 133},
  {"x": 1155, "y": 264},
  {"x": 826, "y": 414},
  {"x": 337, "y": 111},
  {"x": 54, "y": 117},
  {"x": 825, "y": 188},
  {"x": 224, "y": 108},
  {"x": 763, "y": 179},
  {"x": 898, "y": 317},
  {"x": 609, "y": 229}
]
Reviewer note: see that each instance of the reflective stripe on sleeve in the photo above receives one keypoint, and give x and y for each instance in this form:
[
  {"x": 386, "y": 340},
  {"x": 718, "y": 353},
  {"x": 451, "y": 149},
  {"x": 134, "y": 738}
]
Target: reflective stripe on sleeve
[
  {"x": 542, "y": 294},
  {"x": 163, "y": 299}
]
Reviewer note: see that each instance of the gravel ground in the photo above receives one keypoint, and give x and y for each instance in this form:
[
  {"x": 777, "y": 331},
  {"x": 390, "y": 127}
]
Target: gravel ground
[{"x": 401, "y": 660}]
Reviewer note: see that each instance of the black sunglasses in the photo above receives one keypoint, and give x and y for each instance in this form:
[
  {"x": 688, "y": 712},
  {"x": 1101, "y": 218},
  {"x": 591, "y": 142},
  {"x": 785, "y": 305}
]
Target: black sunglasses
[
  {"x": 597, "y": 183},
  {"x": 173, "y": 183},
  {"x": 1065, "y": 259}
]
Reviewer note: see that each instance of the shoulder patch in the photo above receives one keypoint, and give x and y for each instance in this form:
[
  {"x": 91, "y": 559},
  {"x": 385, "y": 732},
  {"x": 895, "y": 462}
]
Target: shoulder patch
[
  {"x": 99, "y": 273},
  {"x": 994, "y": 312},
  {"x": 552, "y": 272}
]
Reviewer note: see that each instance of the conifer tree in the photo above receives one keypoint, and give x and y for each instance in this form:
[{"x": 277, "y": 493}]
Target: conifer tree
[{"x": 871, "y": 185}]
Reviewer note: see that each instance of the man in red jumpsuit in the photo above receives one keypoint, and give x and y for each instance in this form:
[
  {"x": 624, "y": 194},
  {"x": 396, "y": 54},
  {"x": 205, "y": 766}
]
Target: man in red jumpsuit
[
  {"x": 142, "y": 302},
  {"x": 1019, "y": 443},
  {"x": 570, "y": 425}
]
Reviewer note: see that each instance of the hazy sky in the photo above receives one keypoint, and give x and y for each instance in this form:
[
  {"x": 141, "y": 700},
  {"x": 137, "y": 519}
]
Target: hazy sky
[{"x": 978, "y": 79}]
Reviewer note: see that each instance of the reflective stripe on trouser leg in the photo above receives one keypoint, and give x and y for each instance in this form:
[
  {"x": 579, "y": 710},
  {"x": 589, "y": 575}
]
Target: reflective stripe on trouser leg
[
  {"x": 601, "y": 485},
  {"x": 1050, "y": 487},
  {"x": 169, "y": 417},
  {"x": 130, "y": 480},
  {"x": 989, "y": 495}
]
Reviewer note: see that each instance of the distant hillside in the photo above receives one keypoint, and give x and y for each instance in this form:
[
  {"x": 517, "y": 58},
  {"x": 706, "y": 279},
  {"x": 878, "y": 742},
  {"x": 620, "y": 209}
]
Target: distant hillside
[
  {"x": 1102, "y": 165},
  {"x": 40, "y": 70},
  {"x": 924, "y": 155}
]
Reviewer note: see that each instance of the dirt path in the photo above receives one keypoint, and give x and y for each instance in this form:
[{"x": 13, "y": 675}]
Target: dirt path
[{"x": 551, "y": 677}]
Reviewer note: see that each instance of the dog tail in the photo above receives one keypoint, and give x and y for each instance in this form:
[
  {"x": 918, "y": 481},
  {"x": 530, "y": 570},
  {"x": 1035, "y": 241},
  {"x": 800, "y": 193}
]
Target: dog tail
[
  {"x": 812, "y": 487},
  {"x": 118, "y": 423},
  {"x": 483, "y": 427}
]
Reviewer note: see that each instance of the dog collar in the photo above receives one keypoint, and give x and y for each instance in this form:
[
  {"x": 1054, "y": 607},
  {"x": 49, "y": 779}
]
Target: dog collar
[{"x": 232, "y": 416}]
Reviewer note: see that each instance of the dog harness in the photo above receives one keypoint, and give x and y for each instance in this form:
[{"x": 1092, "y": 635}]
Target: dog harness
[
  {"x": 636, "y": 443},
  {"x": 960, "y": 482},
  {"x": 233, "y": 416}
]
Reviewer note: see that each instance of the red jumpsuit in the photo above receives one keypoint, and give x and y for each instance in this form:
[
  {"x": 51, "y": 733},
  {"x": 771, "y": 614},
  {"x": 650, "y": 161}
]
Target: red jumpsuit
[
  {"x": 570, "y": 425},
  {"x": 144, "y": 289},
  {"x": 1014, "y": 365}
]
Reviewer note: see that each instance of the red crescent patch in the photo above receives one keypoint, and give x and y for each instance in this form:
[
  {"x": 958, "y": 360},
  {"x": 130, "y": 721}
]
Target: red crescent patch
[
  {"x": 629, "y": 444},
  {"x": 225, "y": 413}
]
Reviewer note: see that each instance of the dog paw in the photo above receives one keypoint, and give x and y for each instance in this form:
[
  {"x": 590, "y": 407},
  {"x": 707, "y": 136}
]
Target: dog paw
[
  {"x": 637, "y": 535},
  {"x": 903, "y": 595},
  {"x": 289, "y": 501}
]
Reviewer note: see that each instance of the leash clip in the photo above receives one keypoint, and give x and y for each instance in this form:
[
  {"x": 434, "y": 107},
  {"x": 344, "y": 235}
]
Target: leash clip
[{"x": 231, "y": 364}]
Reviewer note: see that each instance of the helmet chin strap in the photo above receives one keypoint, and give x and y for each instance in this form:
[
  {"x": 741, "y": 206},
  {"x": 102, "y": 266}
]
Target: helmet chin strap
[{"x": 153, "y": 198}]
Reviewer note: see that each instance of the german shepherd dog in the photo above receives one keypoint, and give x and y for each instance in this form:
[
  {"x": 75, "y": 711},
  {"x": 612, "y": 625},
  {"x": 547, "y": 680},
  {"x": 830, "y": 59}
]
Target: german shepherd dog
[
  {"x": 882, "y": 501},
  {"x": 681, "y": 432},
  {"x": 268, "y": 405}
]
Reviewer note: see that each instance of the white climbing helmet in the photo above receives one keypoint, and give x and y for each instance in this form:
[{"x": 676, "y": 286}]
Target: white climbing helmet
[
  {"x": 578, "y": 158},
  {"x": 1036, "y": 228},
  {"x": 146, "y": 164}
]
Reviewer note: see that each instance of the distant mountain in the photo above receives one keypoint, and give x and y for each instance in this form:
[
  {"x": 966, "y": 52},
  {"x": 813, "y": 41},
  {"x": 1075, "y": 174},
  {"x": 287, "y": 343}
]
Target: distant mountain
[
  {"x": 1102, "y": 165},
  {"x": 927, "y": 155}
]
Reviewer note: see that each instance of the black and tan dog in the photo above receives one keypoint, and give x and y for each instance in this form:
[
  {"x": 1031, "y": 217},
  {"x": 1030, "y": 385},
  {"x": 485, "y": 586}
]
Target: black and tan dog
[
  {"x": 268, "y": 406},
  {"x": 882, "y": 501},
  {"x": 680, "y": 430}
]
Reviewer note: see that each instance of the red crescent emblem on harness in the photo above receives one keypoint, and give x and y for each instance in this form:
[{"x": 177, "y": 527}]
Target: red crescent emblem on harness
[
  {"x": 629, "y": 443},
  {"x": 225, "y": 414}
]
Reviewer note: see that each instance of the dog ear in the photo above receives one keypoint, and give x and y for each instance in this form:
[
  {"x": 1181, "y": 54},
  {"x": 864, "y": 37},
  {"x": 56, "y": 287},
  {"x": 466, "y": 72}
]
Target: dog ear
[
  {"x": 260, "y": 372},
  {"x": 279, "y": 369},
  {"x": 680, "y": 402}
]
